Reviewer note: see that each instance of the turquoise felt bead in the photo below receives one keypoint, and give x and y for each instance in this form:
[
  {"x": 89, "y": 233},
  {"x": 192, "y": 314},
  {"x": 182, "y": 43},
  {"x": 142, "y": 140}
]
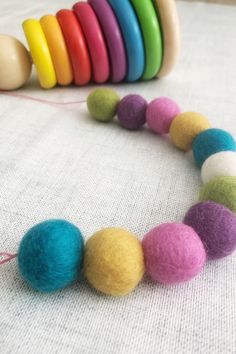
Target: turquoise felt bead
[
  {"x": 50, "y": 255},
  {"x": 210, "y": 142}
]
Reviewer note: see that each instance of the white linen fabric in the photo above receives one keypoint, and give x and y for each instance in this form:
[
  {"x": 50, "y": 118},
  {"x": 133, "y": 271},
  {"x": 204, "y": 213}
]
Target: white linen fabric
[{"x": 56, "y": 162}]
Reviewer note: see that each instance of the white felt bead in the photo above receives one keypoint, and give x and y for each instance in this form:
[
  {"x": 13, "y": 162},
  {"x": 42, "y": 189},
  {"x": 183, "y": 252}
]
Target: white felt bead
[{"x": 220, "y": 164}]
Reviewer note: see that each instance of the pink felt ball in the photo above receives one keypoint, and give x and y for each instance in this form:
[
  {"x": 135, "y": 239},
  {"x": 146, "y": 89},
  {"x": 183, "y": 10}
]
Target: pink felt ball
[
  {"x": 160, "y": 114},
  {"x": 173, "y": 253}
]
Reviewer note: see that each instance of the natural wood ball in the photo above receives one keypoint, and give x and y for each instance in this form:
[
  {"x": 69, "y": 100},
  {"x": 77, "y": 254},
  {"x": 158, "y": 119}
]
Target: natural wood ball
[{"x": 15, "y": 63}]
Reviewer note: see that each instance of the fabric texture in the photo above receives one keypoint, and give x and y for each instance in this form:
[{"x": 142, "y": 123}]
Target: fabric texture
[{"x": 56, "y": 162}]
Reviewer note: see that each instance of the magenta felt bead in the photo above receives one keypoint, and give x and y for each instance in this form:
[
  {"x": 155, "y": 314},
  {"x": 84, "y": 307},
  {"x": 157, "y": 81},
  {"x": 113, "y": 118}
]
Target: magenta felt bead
[
  {"x": 160, "y": 114},
  {"x": 173, "y": 253},
  {"x": 131, "y": 112}
]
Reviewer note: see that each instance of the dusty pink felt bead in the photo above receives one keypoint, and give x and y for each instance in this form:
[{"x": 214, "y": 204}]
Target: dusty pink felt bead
[
  {"x": 173, "y": 253},
  {"x": 160, "y": 114}
]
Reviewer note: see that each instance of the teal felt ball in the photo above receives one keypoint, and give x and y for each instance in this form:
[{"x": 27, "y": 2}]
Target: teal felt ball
[
  {"x": 210, "y": 142},
  {"x": 50, "y": 255}
]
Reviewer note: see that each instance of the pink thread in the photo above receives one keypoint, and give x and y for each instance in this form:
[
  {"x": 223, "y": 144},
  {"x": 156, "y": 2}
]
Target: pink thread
[
  {"x": 26, "y": 97},
  {"x": 4, "y": 256},
  {"x": 7, "y": 257}
]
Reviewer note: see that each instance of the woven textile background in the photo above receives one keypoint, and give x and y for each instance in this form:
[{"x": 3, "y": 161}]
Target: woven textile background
[{"x": 55, "y": 162}]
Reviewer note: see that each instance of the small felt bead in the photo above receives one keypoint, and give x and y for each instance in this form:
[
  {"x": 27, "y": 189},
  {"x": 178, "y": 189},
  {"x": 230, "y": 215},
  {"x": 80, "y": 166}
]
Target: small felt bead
[
  {"x": 160, "y": 114},
  {"x": 220, "y": 164},
  {"x": 131, "y": 112},
  {"x": 221, "y": 190},
  {"x": 216, "y": 226},
  {"x": 113, "y": 262},
  {"x": 210, "y": 142},
  {"x": 102, "y": 104},
  {"x": 50, "y": 255},
  {"x": 173, "y": 253},
  {"x": 185, "y": 127}
]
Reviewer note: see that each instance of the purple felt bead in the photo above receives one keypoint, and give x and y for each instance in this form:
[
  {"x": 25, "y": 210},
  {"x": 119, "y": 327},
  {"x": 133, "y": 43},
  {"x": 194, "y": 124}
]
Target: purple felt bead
[
  {"x": 131, "y": 112},
  {"x": 216, "y": 226},
  {"x": 160, "y": 114}
]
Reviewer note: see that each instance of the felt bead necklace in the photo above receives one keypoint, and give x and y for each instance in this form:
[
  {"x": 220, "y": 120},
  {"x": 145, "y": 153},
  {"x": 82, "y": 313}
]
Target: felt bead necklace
[{"x": 52, "y": 254}]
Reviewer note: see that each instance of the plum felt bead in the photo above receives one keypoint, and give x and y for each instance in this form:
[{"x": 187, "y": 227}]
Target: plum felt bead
[
  {"x": 102, "y": 104},
  {"x": 173, "y": 253},
  {"x": 185, "y": 127},
  {"x": 221, "y": 190},
  {"x": 50, "y": 255},
  {"x": 217, "y": 165},
  {"x": 131, "y": 112},
  {"x": 160, "y": 114},
  {"x": 216, "y": 226},
  {"x": 114, "y": 262},
  {"x": 210, "y": 142}
]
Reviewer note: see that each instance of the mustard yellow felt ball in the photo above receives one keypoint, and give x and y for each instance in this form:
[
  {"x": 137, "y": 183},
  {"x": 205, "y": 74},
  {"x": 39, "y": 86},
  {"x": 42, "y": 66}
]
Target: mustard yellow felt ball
[
  {"x": 185, "y": 127},
  {"x": 114, "y": 261}
]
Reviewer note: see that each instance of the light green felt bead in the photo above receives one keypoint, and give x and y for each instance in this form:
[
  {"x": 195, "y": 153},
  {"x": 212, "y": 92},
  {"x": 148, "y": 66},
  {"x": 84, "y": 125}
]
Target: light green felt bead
[
  {"x": 221, "y": 190},
  {"x": 102, "y": 104}
]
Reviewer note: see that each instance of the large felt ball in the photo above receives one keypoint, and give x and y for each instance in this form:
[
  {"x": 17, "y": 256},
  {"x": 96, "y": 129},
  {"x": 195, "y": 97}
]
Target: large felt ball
[
  {"x": 216, "y": 226},
  {"x": 220, "y": 164},
  {"x": 131, "y": 112},
  {"x": 173, "y": 253},
  {"x": 160, "y": 114},
  {"x": 185, "y": 127},
  {"x": 113, "y": 262},
  {"x": 50, "y": 255},
  {"x": 102, "y": 104},
  {"x": 210, "y": 142},
  {"x": 221, "y": 190}
]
